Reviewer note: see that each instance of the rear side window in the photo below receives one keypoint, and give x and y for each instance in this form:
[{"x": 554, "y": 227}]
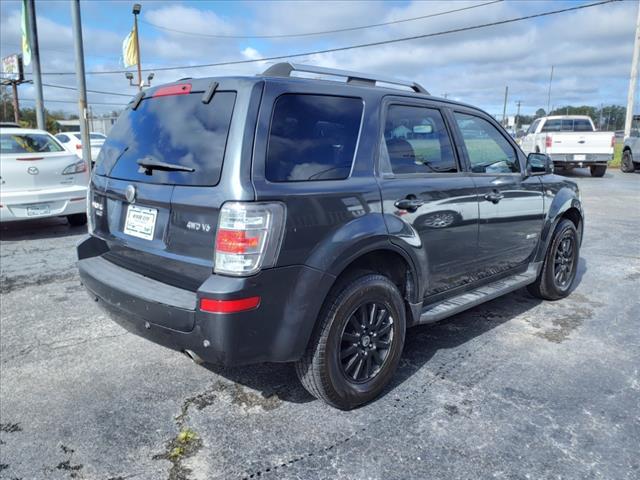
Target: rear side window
[
  {"x": 62, "y": 138},
  {"x": 174, "y": 129},
  {"x": 417, "y": 141},
  {"x": 312, "y": 137},
  {"x": 28, "y": 143}
]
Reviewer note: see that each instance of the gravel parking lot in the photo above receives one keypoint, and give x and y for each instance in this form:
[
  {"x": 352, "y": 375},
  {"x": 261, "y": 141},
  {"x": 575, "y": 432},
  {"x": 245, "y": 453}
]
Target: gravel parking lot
[{"x": 516, "y": 388}]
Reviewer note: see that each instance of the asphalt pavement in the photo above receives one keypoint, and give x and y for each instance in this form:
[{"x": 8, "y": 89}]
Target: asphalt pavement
[{"x": 513, "y": 389}]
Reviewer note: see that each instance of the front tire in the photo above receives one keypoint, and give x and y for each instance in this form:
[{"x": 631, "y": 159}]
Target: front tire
[
  {"x": 560, "y": 264},
  {"x": 598, "y": 170},
  {"x": 356, "y": 347},
  {"x": 626, "y": 165},
  {"x": 77, "y": 219}
]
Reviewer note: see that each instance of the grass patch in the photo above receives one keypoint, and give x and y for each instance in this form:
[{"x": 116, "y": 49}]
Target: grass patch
[{"x": 617, "y": 155}]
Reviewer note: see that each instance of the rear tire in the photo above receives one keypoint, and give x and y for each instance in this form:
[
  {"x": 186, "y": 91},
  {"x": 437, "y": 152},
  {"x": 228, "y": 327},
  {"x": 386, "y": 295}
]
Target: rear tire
[
  {"x": 626, "y": 165},
  {"x": 77, "y": 219},
  {"x": 598, "y": 170},
  {"x": 356, "y": 347},
  {"x": 560, "y": 264}
]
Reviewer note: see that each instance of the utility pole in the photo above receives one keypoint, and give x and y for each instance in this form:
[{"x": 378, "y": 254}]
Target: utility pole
[
  {"x": 633, "y": 79},
  {"x": 519, "y": 102},
  {"x": 549, "y": 94},
  {"x": 82, "y": 86},
  {"x": 35, "y": 59},
  {"x": 136, "y": 11},
  {"x": 504, "y": 108},
  {"x": 16, "y": 103}
]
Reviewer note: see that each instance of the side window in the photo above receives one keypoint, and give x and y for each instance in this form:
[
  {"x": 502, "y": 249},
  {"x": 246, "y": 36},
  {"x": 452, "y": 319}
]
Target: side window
[
  {"x": 62, "y": 138},
  {"x": 312, "y": 137},
  {"x": 417, "y": 141},
  {"x": 488, "y": 150},
  {"x": 533, "y": 127}
]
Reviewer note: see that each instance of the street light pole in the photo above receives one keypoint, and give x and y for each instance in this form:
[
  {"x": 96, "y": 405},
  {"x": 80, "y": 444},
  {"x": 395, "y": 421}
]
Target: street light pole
[
  {"x": 632, "y": 79},
  {"x": 35, "y": 60},
  {"x": 136, "y": 10},
  {"x": 82, "y": 86}
]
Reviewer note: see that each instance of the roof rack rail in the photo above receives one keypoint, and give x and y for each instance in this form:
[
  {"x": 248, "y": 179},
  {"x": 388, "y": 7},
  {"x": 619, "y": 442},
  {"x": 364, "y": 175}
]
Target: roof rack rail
[{"x": 284, "y": 69}]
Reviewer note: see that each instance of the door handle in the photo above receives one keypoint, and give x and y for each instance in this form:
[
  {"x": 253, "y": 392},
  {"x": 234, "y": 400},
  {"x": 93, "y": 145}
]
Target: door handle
[
  {"x": 494, "y": 197},
  {"x": 409, "y": 204}
]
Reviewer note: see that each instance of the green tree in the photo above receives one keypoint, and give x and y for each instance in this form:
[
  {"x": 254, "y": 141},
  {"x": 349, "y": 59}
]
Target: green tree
[{"x": 540, "y": 113}]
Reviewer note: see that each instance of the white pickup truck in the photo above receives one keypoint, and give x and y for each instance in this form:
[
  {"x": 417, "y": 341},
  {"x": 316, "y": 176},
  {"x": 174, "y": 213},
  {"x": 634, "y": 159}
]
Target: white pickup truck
[{"x": 571, "y": 141}]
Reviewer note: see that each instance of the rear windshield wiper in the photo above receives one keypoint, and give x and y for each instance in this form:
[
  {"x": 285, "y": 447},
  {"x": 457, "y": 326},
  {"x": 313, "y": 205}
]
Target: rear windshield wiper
[{"x": 150, "y": 165}]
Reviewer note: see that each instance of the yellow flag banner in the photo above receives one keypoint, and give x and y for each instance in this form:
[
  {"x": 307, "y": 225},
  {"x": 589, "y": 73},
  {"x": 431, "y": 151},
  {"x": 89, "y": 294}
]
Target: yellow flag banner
[{"x": 129, "y": 52}]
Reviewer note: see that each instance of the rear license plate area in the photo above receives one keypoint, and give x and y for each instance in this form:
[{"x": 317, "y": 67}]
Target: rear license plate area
[
  {"x": 38, "y": 210},
  {"x": 140, "y": 222}
]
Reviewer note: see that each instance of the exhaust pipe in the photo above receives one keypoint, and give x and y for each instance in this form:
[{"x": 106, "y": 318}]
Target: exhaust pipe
[{"x": 193, "y": 356}]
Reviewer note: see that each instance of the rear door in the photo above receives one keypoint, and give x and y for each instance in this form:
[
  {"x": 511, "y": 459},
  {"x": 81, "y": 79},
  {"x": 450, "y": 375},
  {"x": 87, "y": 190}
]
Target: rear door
[
  {"x": 511, "y": 205},
  {"x": 161, "y": 221},
  {"x": 428, "y": 200},
  {"x": 33, "y": 161}
]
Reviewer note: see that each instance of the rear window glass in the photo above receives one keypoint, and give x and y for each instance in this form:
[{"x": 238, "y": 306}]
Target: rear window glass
[
  {"x": 179, "y": 130},
  {"x": 313, "y": 137},
  {"x": 567, "y": 125},
  {"x": 96, "y": 136},
  {"x": 28, "y": 143}
]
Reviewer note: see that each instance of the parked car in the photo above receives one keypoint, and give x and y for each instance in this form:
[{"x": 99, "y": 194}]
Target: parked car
[
  {"x": 39, "y": 178},
  {"x": 571, "y": 141},
  {"x": 631, "y": 149},
  {"x": 284, "y": 219},
  {"x": 72, "y": 141},
  {"x": 9, "y": 125}
]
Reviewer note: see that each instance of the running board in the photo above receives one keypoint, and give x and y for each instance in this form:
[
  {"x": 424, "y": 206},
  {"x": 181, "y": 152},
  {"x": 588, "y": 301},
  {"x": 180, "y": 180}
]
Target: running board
[{"x": 451, "y": 306}]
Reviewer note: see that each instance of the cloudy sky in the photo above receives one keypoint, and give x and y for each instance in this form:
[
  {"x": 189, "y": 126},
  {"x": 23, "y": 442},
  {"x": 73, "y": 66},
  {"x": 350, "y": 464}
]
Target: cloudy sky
[{"x": 590, "y": 49}]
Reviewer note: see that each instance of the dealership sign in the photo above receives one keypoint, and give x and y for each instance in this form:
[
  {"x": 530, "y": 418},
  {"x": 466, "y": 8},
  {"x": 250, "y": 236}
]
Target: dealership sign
[{"x": 12, "y": 68}]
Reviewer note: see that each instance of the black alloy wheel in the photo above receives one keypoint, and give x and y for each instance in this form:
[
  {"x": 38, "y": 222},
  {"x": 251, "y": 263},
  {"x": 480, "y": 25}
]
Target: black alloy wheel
[
  {"x": 565, "y": 260},
  {"x": 366, "y": 342}
]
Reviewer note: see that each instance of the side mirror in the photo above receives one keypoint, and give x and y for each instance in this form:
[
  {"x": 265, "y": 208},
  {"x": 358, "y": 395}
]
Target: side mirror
[{"x": 539, "y": 164}]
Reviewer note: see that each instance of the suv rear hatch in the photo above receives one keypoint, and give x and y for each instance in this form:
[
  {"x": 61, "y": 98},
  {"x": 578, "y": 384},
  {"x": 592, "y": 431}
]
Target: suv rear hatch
[{"x": 155, "y": 198}]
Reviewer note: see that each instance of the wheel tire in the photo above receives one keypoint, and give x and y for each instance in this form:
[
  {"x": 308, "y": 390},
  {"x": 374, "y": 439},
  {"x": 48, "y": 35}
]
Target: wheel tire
[
  {"x": 77, "y": 219},
  {"x": 321, "y": 370},
  {"x": 626, "y": 165},
  {"x": 546, "y": 286},
  {"x": 598, "y": 170}
]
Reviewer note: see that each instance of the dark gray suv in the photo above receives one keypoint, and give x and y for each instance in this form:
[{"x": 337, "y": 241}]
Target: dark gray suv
[{"x": 285, "y": 219}]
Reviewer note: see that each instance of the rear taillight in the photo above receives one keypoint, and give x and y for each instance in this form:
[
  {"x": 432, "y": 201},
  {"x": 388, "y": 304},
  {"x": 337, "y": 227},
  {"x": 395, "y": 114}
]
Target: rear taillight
[
  {"x": 78, "y": 146},
  {"x": 548, "y": 141},
  {"x": 613, "y": 141},
  {"x": 78, "y": 167},
  {"x": 248, "y": 237}
]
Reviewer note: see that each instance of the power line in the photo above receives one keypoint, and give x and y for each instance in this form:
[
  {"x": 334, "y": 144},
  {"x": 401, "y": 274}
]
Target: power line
[
  {"x": 351, "y": 47},
  {"x": 324, "y": 32},
  {"x": 90, "y": 91}
]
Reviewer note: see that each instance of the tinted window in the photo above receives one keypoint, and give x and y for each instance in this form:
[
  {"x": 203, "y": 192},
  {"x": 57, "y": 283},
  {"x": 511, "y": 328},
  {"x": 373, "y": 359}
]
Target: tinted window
[
  {"x": 28, "y": 143},
  {"x": 96, "y": 136},
  {"x": 312, "y": 137},
  {"x": 175, "y": 129},
  {"x": 417, "y": 141},
  {"x": 582, "y": 125},
  {"x": 552, "y": 126},
  {"x": 488, "y": 150},
  {"x": 533, "y": 127},
  {"x": 63, "y": 138}
]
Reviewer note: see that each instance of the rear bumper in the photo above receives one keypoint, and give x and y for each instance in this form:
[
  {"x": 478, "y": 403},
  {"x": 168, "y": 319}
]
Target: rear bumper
[
  {"x": 60, "y": 201},
  {"x": 278, "y": 330},
  {"x": 575, "y": 160}
]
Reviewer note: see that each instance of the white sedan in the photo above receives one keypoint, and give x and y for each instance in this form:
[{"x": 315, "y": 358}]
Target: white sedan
[
  {"x": 72, "y": 141},
  {"x": 39, "y": 178}
]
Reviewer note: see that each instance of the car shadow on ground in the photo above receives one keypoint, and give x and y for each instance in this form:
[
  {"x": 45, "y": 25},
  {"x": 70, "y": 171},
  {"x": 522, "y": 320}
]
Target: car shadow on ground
[
  {"x": 52, "y": 227},
  {"x": 421, "y": 344}
]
